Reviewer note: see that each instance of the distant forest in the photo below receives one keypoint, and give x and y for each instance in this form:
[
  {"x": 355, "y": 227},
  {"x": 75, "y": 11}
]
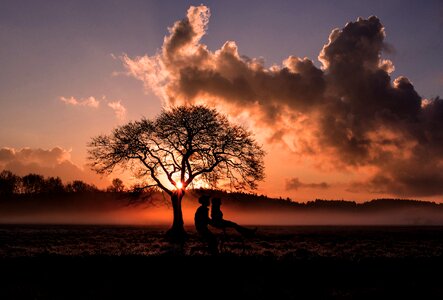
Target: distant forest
[
  {"x": 35, "y": 186},
  {"x": 12, "y": 184}
]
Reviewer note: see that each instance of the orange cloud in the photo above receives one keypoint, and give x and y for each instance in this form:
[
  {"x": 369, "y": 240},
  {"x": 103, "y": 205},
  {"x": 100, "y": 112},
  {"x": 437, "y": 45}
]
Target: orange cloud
[
  {"x": 119, "y": 110},
  {"x": 89, "y": 102},
  {"x": 349, "y": 113},
  {"x": 116, "y": 106},
  {"x": 295, "y": 184},
  {"x": 47, "y": 162}
]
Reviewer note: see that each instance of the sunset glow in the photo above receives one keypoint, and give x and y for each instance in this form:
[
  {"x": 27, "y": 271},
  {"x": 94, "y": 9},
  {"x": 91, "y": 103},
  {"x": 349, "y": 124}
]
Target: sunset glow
[
  {"x": 344, "y": 99},
  {"x": 221, "y": 149}
]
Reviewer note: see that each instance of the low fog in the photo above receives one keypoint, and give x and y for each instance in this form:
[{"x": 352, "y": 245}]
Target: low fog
[{"x": 108, "y": 208}]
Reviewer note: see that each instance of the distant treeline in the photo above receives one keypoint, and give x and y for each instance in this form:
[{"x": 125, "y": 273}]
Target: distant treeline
[
  {"x": 254, "y": 201},
  {"x": 39, "y": 188},
  {"x": 12, "y": 184}
]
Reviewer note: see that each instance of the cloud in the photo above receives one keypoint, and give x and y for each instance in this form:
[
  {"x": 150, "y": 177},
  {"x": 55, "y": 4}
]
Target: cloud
[
  {"x": 349, "y": 113},
  {"x": 295, "y": 184},
  {"x": 47, "y": 162},
  {"x": 116, "y": 106},
  {"x": 186, "y": 71},
  {"x": 119, "y": 110},
  {"x": 39, "y": 156},
  {"x": 417, "y": 178},
  {"x": 89, "y": 102}
]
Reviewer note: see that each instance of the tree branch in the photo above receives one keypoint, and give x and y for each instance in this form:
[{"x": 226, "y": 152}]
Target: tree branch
[{"x": 151, "y": 169}]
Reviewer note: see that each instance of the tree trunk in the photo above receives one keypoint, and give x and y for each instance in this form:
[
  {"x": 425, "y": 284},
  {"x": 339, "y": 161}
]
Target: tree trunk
[{"x": 177, "y": 231}]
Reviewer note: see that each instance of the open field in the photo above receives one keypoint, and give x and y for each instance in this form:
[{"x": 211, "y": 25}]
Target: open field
[
  {"x": 343, "y": 242},
  {"x": 102, "y": 262}
]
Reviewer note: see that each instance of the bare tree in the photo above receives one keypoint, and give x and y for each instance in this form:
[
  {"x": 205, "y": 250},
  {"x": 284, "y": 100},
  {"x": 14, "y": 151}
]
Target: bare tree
[
  {"x": 78, "y": 186},
  {"x": 9, "y": 183},
  {"x": 181, "y": 145},
  {"x": 117, "y": 186},
  {"x": 33, "y": 184}
]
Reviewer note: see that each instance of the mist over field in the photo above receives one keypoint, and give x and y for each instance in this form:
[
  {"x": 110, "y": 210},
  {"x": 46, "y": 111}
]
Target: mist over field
[{"x": 120, "y": 209}]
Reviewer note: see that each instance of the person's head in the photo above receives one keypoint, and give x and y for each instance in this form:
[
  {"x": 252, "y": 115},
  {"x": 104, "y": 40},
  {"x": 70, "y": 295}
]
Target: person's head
[
  {"x": 204, "y": 200},
  {"x": 216, "y": 201}
]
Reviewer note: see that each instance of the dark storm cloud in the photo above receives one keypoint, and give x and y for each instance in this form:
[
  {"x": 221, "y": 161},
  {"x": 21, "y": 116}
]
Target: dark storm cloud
[
  {"x": 362, "y": 97},
  {"x": 417, "y": 178},
  {"x": 349, "y": 112},
  {"x": 298, "y": 86},
  {"x": 295, "y": 184}
]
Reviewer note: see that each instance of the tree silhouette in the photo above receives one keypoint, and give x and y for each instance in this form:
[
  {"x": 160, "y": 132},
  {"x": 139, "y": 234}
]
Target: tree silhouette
[
  {"x": 117, "y": 186},
  {"x": 9, "y": 183},
  {"x": 179, "y": 146},
  {"x": 78, "y": 186},
  {"x": 33, "y": 184},
  {"x": 54, "y": 185}
]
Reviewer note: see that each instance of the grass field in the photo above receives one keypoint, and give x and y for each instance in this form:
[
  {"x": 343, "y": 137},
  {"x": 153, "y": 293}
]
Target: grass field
[{"x": 102, "y": 262}]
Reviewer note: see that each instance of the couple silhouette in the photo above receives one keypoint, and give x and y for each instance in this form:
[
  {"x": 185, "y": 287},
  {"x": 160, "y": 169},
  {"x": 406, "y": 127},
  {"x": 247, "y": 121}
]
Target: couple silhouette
[{"x": 202, "y": 220}]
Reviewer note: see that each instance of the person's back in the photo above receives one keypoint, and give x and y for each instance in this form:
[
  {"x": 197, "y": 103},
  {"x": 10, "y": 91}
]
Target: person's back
[
  {"x": 216, "y": 214},
  {"x": 201, "y": 219}
]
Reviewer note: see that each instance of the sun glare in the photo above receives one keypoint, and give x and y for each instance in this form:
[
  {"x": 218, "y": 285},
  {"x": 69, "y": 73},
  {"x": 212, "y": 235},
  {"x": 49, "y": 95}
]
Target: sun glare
[{"x": 179, "y": 185}]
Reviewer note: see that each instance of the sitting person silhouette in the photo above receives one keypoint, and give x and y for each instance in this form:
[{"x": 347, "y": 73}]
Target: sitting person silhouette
[
  {"x": 218, "y": 221},
  {"x": 202, "y": 220}
]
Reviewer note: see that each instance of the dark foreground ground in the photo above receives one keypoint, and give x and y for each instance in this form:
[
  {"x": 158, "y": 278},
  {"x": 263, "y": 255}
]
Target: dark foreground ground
[{"x": 104, "y": 262}]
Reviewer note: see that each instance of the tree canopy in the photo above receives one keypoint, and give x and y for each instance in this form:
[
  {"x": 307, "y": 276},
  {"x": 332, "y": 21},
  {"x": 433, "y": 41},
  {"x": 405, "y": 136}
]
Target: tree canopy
[{"x": 179, "y": 146}]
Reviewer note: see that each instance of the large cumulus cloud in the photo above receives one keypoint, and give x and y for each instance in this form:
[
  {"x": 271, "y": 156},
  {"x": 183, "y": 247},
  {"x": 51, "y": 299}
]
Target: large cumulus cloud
[{"x": 349, "y": 112}]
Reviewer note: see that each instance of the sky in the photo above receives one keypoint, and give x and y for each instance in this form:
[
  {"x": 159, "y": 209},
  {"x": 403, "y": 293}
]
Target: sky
[{"x": 346, "y": 108}]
